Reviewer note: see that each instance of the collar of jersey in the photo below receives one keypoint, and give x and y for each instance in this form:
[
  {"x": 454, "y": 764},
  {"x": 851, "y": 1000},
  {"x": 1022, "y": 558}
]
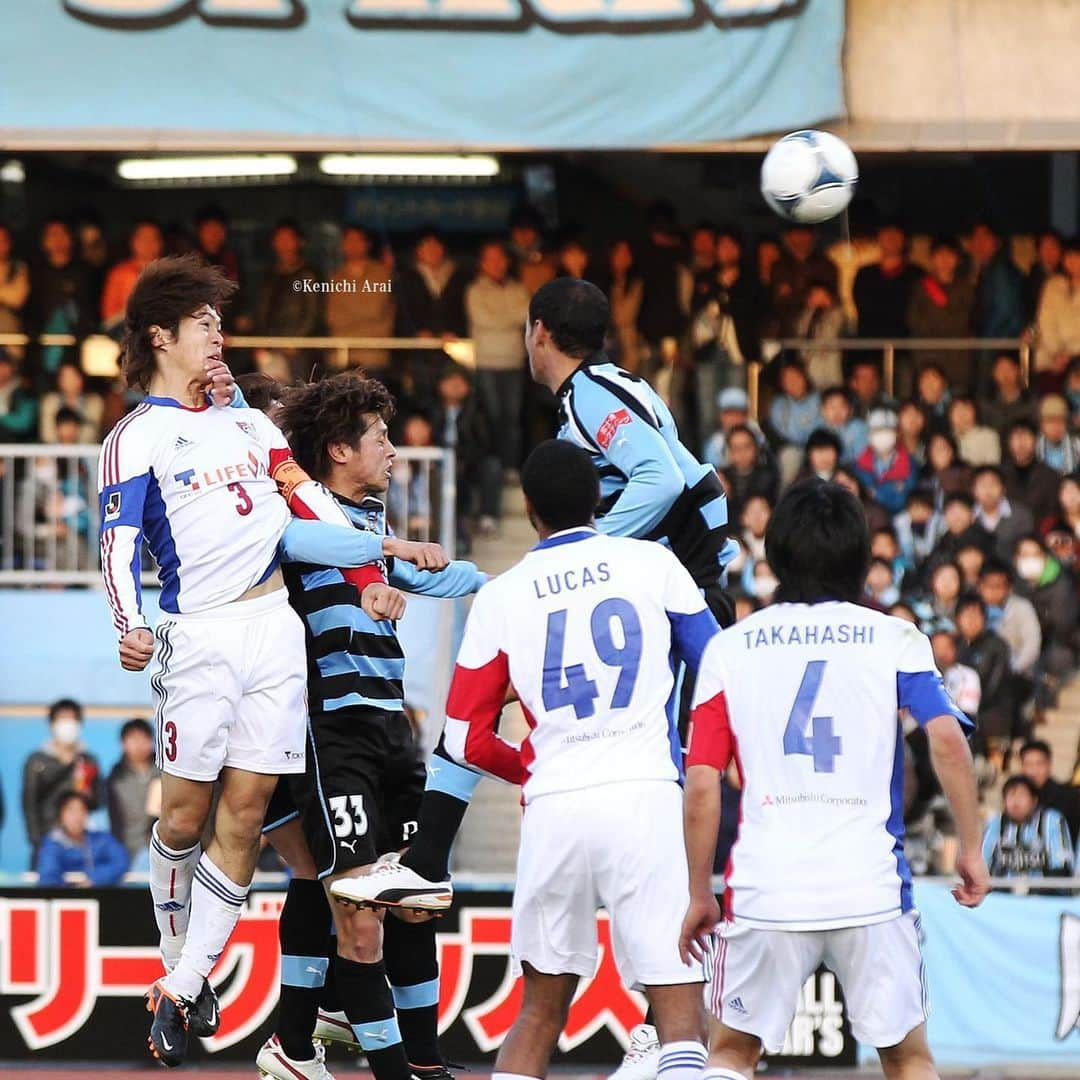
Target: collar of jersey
[
  {"x": 566, "y": 536},
  {"x": 172, "y": 403},
  {"x": 599, "y": 358}
]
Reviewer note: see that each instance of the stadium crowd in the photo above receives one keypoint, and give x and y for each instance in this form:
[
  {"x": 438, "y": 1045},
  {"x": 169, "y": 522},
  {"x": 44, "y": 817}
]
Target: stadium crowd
[{"x": 968, "y": 475}]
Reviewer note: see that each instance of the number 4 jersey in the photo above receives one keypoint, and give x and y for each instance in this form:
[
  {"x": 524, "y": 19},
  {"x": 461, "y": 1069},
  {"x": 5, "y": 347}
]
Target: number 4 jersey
[
  {"x": 806, "y": 699},
  {"x": 583, "y": 628}
]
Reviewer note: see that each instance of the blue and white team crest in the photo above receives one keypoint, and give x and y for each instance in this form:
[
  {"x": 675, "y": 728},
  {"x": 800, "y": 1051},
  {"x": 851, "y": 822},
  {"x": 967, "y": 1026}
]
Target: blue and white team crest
[
  {"x": 247, "y": 428},
  {"x": 112, "y": 506}
]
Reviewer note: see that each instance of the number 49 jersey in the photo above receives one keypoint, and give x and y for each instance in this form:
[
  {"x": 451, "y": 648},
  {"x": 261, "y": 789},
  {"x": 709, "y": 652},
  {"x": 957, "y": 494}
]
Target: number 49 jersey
[
  {"x": 583, "y": 628},
  {"x": 806, "y": 699}
]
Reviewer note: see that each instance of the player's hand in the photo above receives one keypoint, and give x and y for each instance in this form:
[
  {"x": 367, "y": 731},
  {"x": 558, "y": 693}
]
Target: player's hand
[
  {"x": 220, "y": 382},
  {"x": 701, "y": 918},
  {"x": 974, "y": 880},
  {"x": 422, "y": 556},
  {"x": 380, "y": 601},
  {"x": 136, "y": 649}
]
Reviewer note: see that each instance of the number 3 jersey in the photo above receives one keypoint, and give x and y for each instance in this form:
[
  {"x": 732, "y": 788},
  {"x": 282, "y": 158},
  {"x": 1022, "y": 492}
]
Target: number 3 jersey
[
  {"x": 583, "y": 628},
  {"x": 198, "y": 485},
  {"x": 806, "y": 699}
]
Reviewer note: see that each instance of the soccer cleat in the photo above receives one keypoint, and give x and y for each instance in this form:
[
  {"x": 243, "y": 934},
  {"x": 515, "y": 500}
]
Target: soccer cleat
[
  {"x": 432, "y": 1072},
  {"x": 392, "y": 885},
  {"x": 169, "y": 1028},
  {"x": 642, "y": 1058},
  {"x": 204, "y": 1014},
  {"x": 334, "y": 1027},
  {"x": 272, "y": 1061}
]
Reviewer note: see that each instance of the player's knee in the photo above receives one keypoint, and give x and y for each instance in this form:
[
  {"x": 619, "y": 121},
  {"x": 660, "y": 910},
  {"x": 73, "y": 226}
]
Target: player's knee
[
  {"x": 911, "y": 1057},
  {"x": 181, "y": 826}
]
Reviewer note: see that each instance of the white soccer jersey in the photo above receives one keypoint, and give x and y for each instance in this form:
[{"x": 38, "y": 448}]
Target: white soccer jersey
[
  {"x": 583, "y": 628},
  {"x": 806, "y": 698}
]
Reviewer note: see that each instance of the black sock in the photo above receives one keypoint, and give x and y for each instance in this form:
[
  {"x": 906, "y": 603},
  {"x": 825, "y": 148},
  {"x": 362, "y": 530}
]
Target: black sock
[
  {"x": 450, "y": 787},
  {"x": 328, "y": 999},
  {"x": 302, "y": 933},
  {"x": 413, "y": 970},
  {"x": 365, "y": 996}
]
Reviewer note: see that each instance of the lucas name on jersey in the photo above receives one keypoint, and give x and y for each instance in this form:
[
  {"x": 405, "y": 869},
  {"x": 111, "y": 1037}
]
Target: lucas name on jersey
[
  {"x": 570, "y": 580},
  {"x": 839, "y": 634}
]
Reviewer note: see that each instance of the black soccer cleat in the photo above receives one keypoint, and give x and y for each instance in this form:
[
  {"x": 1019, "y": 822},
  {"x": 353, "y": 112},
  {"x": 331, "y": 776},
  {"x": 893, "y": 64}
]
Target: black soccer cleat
[
  {"x": 204, "y": 1013},
  {"x": 169, "y": 1028}
]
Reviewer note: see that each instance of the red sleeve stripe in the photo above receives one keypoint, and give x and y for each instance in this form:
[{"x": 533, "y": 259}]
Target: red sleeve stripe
[
  {"x": 710, "y": 734},
  {"x": 112, "y": 454},
  {"x": 119, "y": 618}
]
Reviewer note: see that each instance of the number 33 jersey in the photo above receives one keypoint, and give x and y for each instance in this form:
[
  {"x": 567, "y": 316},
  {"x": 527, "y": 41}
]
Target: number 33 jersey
[
  {"x": 806, "y": 699},
  {"x": 197, "y": 484},
  {"x": 583, "y": 628}
]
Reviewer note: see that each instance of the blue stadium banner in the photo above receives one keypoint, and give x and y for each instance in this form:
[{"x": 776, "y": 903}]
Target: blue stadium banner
[{"x": 500, "y": 74}]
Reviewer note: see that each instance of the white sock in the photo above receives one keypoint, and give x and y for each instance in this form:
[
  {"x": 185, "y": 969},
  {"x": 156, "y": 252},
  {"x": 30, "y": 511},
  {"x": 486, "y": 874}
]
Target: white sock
[
  {"x": 683, "y": 1060},
  {"x": 723, "y": 1074},
  {"x": 216, "y": 903},
  {"x": 511, "y": 1076},
  {"x": 171, "y": 872}
]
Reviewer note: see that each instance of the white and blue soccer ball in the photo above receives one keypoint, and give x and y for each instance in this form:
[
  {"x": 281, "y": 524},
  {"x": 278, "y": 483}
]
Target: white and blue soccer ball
[{"x": 809, "y": 176}]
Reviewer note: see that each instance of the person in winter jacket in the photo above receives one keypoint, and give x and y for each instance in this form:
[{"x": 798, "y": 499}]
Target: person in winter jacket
[{"x": 73, "y": 848}]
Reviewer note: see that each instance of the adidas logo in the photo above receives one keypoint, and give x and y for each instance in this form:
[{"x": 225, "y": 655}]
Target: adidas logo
[
  {"x": 736, "y": 1005},
  {"x": 182, "y": 443}
]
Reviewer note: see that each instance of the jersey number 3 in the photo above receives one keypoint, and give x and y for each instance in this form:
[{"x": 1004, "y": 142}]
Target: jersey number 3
[
  {"x": 820, "y": 744},
  {"x": 572, "y": 685}
]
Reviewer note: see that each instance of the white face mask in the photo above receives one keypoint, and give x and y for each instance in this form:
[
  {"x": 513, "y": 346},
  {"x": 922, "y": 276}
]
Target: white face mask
[
  {"x": 1030, "y": 567},
  {"x": 66, "y": 731},
  {"x": 883, "y": 441},
  {"x": 764, "y": 587}
]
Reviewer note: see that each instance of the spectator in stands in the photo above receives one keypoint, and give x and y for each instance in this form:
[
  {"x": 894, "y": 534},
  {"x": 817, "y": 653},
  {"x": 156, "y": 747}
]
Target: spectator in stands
[
  {"x": 573, "y": 260},
  {"x": 18, "y": 409},
  {"x": 212, "y": 243},
  {"x": 961, "y": 681},
  {"x": 71, "y": 393},
  {"x": 732, "y": 411},
  {"x": 145, "y": 244},
  {"x": 766, "y": 256},
  {"x": 287, "y": 306},
  {"x": 941, "y": 307},
  {"x": 754, "y": 520},
  {"x": 1027, "y": 839},
  {"x": 1062, "y": 530},
  {"x": 1056, "y": 447},
  {"x": 14, "y": 290},
  {"x": 459, "y": 423},
  {"x": 839, "y": 418},
  {"x": 1071, "y": 390},
  {"x": 702, "y": 252},
  {"x": 625, "y": 289},
  {"x": 62, "y": 297},
  {"x": 885, "y": 468},
  {"x": 800, "y": 267},
  {"x": 824, "y": 452},
  {"x": 918, "y": 527},
  {"x": 1036, "y": 761},
  {"x": 1011, "y": 617},
  {"x": 884, "y": 544},
  {"x": 93, "y": 251},
  {"x": 911, "y": 431},
  {"x": 533, "y": 265},
  {"x": 933, "y": 395},
  {"x": 1049, "y": 251},
  {"x": 864, "y": 382},
  {"x": 979, "y": 444},
  {"x": 945, "y": 471},
  {"x": 794, "y": 413},
  {"x": 738, "y": 293},
  {"x": 1028, "y": 481},
  {"x": 1052, "y": 591},
  {"x": 939, "y": 606},
  {"x": 822, "y": 317},
  {"x": 129, "y": 788},
  {"x": 62, "y": 764},
  {"x": 971, "y": 558},
  {"x": 497, "y": 306},
  {"x": 982, "y": 649},
  {"x": 882, "y": 290},
  {"x": 663, "y": 315},
  {"x": 881, "y": 590},
  {"x": 999, "y": 286},
  {"x": 1058, "y": 321},
  {"x": 364, "y": 306},
  {"x": 750, "y": 471},
  {"x": 72, "y": 848},
  {"x": 1010, "y": 399},
  {"x": 409, "y": 499},
  {"x": 1005, "y": 522}
]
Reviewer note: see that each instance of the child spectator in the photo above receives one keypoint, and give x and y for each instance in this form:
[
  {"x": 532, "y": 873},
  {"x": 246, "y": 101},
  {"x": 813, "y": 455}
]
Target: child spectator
[
  {"x": 884, "y": 468},
  {"x": 840, "y": 418},
  {"x": 824, "y": 452},
  {"x": 918, "y": 528},
  {"x": 945, "y": 471},
  {"x": 72, "y": 848}
]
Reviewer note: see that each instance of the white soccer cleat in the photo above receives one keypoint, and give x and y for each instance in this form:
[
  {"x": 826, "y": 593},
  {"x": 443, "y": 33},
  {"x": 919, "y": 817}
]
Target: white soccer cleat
[
  {"x": 642, "y": 1058},
  {"x": 334, "y": 1027},
  {"x": 272, "y": 1061},
  {"x": 392, "y": 885}
]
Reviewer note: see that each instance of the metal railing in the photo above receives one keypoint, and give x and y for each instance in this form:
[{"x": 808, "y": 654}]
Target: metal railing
[{"x": 49, "y": 516}]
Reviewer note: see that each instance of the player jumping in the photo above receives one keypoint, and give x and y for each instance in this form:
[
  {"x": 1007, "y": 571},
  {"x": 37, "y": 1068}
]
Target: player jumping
[
  {"x": 201, "y": 484},
  {"x": 805, "y": 696},
  {"x": 584, "y": 628}
]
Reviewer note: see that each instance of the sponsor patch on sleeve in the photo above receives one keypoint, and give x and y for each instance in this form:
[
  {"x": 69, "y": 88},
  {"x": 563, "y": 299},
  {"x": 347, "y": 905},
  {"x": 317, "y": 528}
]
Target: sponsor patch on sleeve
[
  {"x": 606, "y": 435},
  {"x": 112, "y": 506}
]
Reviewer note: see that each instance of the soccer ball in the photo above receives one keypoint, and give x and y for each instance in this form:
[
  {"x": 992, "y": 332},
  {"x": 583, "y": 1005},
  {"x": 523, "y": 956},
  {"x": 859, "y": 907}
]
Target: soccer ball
[{"x": 809, "y": 176}]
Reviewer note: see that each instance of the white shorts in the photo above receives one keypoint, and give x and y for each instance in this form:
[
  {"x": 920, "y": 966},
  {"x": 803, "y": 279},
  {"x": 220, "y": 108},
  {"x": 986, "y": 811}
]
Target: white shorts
[
  {"x": 619, "y": 846},
  {"x": 231, "y": 690},
  {"x": 757, "y": 975}
]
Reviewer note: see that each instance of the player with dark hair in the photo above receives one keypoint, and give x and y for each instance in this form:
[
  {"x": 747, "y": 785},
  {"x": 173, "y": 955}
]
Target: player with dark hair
[
  {"x": 362, "y": 770},
  {"x": 818, "y": 872}
]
